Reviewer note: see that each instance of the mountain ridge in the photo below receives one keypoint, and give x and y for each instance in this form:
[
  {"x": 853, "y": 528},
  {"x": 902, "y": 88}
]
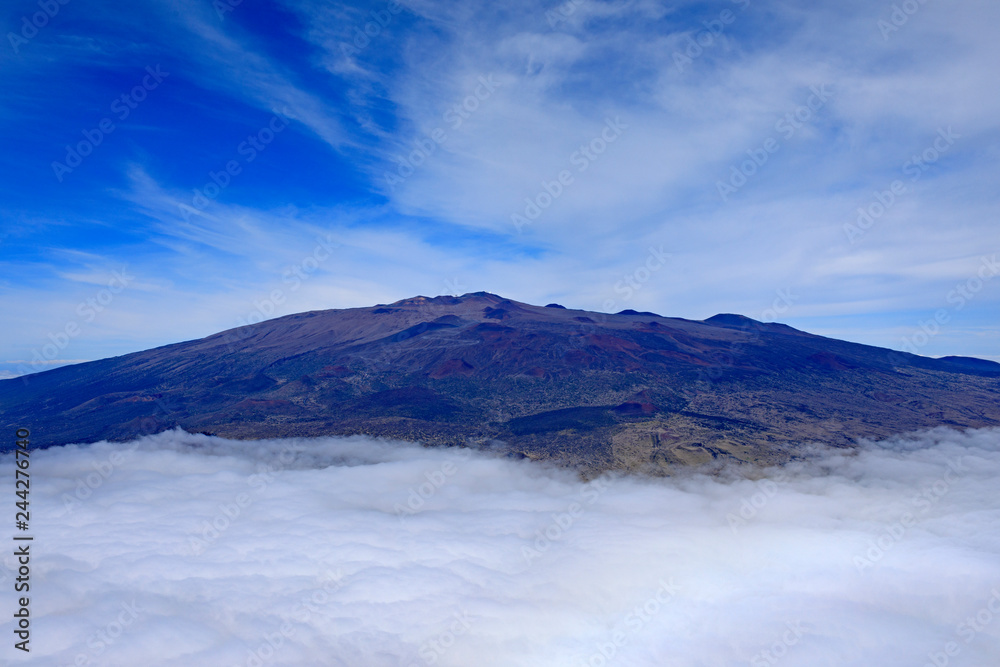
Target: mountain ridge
[{"x": 630, "y": 390}]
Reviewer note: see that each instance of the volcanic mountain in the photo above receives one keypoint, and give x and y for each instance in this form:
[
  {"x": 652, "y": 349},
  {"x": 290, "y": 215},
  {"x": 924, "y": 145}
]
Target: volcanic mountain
[{"x": 631, "y": 391}]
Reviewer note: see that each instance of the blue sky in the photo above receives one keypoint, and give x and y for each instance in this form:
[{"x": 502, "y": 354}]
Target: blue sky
[{"x": 176, "y": 168}]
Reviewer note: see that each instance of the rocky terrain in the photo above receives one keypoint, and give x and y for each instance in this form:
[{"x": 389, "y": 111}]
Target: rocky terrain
[{"x": 632, "y": 391}]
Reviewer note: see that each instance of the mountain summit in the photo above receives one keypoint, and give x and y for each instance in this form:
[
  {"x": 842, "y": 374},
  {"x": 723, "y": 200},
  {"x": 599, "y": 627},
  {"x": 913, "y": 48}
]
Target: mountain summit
[{"x": 631, "y": 390}]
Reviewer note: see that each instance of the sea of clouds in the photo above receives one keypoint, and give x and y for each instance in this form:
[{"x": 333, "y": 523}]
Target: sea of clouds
[{"x": 191, "y": 550}]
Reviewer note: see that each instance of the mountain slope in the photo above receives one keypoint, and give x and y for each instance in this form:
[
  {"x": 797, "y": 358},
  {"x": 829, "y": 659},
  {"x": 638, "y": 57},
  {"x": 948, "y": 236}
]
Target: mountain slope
[{"x": 628, "y": 391}]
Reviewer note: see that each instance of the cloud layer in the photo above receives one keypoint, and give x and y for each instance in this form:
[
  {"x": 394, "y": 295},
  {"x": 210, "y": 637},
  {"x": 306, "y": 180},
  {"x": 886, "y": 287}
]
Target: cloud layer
[{"x": 192, "y": 550}]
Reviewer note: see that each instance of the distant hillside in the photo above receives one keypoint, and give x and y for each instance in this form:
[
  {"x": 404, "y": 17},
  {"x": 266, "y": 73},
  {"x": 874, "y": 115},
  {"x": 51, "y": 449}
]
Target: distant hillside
[{"x": 628, "y": 391}]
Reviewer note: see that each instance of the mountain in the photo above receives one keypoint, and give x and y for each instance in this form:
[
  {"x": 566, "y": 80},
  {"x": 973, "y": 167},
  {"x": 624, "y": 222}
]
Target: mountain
[{"x": 630, "y": 391}]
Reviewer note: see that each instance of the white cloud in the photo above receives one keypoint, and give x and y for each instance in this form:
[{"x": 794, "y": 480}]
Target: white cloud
[
  {"x": 686, "y": 130},
  {"x": 845, "y": 558},
  {"x": 656, "y": 185}
]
